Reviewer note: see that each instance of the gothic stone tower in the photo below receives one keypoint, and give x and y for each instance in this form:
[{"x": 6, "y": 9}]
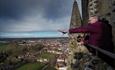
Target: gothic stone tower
[
  {"x": 75, "y": 46},
  {"x": 75, "y": 18},
  {"x": 75, "y": 22}
]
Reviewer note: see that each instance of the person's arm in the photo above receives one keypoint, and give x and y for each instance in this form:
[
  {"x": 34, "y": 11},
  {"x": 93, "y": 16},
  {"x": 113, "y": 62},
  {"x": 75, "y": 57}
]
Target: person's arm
[
  {"x": 83, "y": 29},
  {"x": 86, "y": 29}
]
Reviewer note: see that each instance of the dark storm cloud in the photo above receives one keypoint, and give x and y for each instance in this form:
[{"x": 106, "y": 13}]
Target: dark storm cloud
[
  {"x": 58, "y": 8},
  {"x": 19, "y": 8},
  {"x": 34, "y": 15}
]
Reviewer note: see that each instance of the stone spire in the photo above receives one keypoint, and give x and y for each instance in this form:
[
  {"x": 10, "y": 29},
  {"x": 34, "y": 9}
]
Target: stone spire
[
  {"x": 75, "y": 17},
  {"x": 73, "y": 38}
]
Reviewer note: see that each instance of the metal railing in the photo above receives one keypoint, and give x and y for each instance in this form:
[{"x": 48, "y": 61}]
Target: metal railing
[{"x": 111, "y": 55}]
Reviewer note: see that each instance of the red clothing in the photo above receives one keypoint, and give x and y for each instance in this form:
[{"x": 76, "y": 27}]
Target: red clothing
[
  {"x": 95, "y": 31},
  {"x": 100, "y": 36}
]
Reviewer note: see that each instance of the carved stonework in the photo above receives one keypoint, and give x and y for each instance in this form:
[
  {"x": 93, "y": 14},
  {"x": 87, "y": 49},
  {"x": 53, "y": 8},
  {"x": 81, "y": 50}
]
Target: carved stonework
[
  {"x": 74, "y": 44},
  {"x": 80, "y": 58},
  {"x": 75, "y": 18},
  {"x": 75, "y": 22}
]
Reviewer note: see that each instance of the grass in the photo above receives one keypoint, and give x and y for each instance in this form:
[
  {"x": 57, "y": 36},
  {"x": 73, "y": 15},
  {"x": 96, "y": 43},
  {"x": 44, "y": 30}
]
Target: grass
[
  {"x": 28, "y": 66},
  {"x": 50, "y": 68},
  {"x": 31, "y": 66},
  {"x": 47, "y": 55},
  {"x": 3, "y": 46}
]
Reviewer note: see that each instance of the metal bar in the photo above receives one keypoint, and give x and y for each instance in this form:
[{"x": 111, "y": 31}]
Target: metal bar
[{"x": 112, "y": 55}]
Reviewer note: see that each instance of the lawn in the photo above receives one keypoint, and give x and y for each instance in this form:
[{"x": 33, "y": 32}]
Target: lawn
[{"x": 31, "y": 66}]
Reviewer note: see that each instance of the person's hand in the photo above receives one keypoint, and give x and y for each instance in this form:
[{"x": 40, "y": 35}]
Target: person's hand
[{"x": 63, "y": 31}]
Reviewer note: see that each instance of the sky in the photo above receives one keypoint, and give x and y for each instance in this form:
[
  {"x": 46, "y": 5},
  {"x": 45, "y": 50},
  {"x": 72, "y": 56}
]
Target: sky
[{"x": 34, "y": 18}]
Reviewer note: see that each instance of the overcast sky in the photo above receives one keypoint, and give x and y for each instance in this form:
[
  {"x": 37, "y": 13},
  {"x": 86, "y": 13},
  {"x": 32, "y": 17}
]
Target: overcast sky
[{"x": 27, "y": 18}]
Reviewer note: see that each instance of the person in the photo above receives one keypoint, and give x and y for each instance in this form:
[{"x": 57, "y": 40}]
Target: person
[
  {"x": 96, "y": 28},
  {"x": 107, "y": 43},
  {"x": 107, "y": 36}
]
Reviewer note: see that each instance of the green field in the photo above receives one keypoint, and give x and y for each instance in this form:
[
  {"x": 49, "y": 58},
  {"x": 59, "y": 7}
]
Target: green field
[
  {"x": 3, "y": 46},
  {"x": 47, "y": 55},
  {"x": 31, "y": 66},
  {"x": 14, "y": 50}
]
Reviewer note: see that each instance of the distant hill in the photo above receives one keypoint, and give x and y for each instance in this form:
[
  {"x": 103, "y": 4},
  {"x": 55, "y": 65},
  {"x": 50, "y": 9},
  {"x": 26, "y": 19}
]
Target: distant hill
[{"x": 10, "y": 39}]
